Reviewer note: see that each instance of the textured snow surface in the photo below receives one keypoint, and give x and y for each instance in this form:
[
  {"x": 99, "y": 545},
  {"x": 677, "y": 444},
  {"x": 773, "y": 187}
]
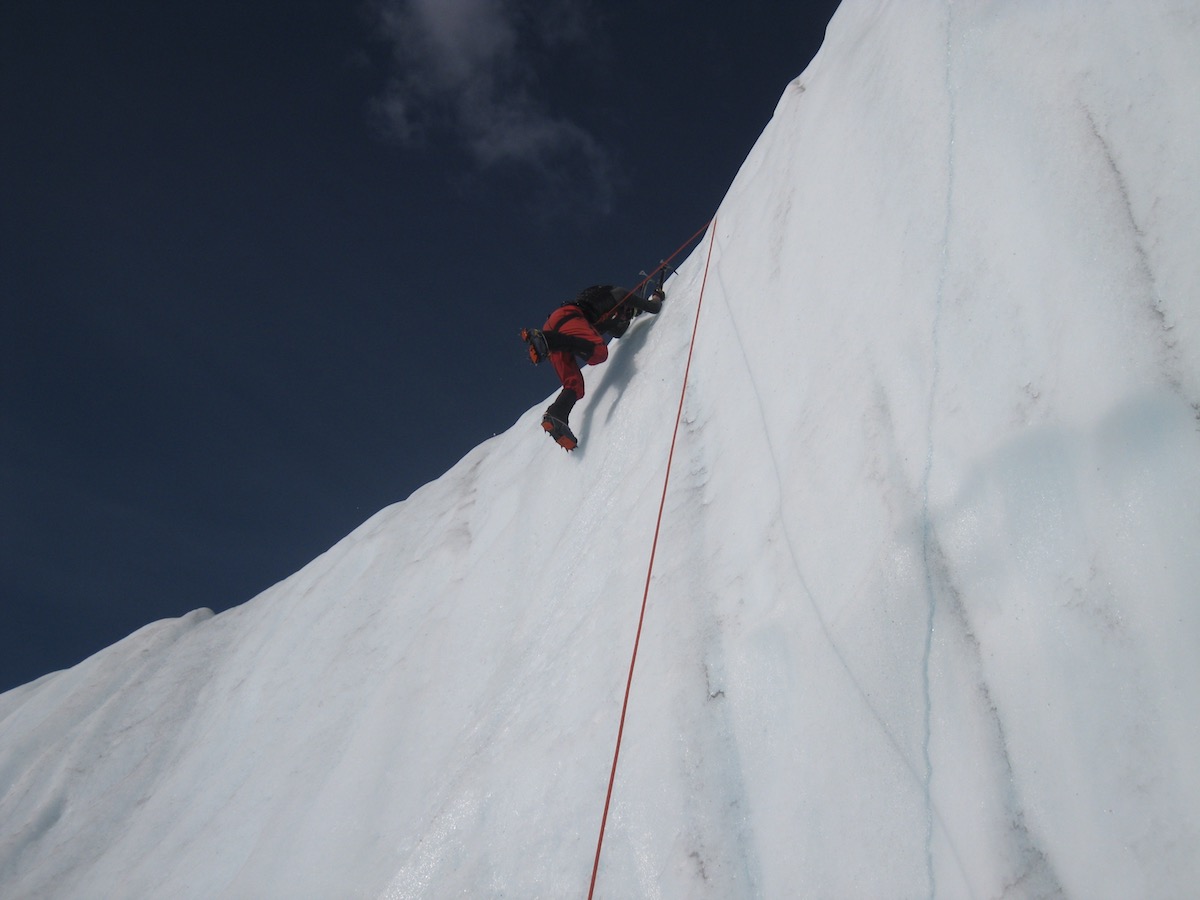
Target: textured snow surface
[{"x": 925, "y": 615}]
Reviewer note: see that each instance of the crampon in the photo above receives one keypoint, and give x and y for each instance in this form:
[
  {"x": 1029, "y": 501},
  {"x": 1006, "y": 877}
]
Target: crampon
[
  {"x": 537, "y": 344},
  {"x": 560, "y": 431}
]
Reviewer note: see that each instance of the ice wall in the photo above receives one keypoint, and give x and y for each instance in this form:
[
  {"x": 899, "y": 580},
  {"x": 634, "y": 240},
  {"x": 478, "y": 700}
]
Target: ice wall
[{"x": 925, "y": 610}]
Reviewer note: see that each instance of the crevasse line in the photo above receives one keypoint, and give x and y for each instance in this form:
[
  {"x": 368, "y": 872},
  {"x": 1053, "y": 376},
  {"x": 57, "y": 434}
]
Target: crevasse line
[{"x": 926, "y": 522}]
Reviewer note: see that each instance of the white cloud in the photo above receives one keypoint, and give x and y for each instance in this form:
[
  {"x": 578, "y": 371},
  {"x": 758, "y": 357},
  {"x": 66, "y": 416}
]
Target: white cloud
[{"x": 469, "y": 67}]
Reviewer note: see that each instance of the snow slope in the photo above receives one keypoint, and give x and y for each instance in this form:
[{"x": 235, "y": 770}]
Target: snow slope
[{"x": 926, "y": 606}]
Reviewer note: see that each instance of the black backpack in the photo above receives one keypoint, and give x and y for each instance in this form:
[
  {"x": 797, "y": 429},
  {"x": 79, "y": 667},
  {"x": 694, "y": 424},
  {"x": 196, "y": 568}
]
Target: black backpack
[{"x": 596, "y": 301}]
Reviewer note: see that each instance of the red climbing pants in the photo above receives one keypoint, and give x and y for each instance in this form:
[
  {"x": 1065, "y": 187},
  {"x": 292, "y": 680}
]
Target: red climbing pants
[{"x": 570, "y": 320}]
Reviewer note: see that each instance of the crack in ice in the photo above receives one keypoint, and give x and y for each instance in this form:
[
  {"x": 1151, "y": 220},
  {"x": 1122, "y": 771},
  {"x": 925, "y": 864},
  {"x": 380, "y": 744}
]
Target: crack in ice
[
  {"x": 795, "y": 560},
  {"x": 926, "y": 521}
]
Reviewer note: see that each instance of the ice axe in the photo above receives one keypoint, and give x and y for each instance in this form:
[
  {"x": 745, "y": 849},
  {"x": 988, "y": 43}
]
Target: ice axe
[{"x": 663, "y": 269}]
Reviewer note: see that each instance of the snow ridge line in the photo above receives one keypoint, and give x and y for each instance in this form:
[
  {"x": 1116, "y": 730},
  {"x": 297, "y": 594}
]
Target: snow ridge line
[
  {"x": 1167, "y": 344},
  {"x": 650, "y": 568},
  {"x": 926, "y": 522}
]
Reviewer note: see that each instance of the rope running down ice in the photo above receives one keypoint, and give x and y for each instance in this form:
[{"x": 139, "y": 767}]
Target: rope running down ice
[{"x": 653, "y": 547}]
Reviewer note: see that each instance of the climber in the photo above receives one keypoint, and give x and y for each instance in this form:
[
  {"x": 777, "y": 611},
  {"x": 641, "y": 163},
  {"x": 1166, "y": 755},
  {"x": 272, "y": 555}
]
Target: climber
[{"x": 577, "y": 332}]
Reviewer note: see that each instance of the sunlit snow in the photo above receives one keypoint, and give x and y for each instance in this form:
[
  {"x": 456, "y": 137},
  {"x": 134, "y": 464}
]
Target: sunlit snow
[{"x": 925, "y": 614}]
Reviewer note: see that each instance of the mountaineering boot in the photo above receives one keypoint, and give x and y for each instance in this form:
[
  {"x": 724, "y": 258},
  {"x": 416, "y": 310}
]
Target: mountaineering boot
[
  {"x": 563, "y": 404},
  {"x": 555, "y": 419},
  {"x": 537, "y": 344},
  {"x": 560, "y": 431}
]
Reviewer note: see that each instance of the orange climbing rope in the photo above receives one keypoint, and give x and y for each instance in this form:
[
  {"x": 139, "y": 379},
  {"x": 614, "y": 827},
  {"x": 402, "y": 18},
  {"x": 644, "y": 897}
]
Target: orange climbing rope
[
  {"x": 662, "y": 265},
  {"x": 612, "y": 777}
]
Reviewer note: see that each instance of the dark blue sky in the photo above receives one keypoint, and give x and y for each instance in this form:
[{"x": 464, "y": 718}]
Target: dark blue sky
[{"x": 262, "y": 265}]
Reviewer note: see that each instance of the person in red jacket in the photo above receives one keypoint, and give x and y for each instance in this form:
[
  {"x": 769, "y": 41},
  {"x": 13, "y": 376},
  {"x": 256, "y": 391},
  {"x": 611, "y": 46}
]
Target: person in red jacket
[{"x": 576, "y": 334}]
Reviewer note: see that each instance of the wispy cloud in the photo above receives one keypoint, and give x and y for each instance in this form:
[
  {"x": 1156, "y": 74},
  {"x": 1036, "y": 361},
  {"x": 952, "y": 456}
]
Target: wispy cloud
[{"x": 469, "y": 68}]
